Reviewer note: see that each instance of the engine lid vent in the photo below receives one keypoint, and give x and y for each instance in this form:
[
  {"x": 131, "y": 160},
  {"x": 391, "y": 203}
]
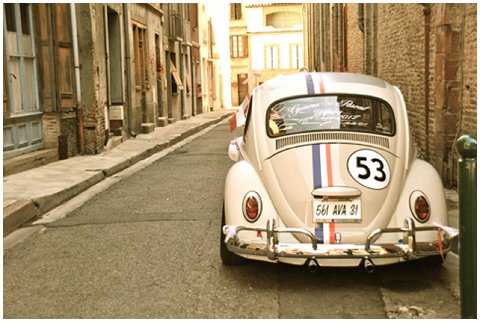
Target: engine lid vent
[{"x": 332, "y": 136}]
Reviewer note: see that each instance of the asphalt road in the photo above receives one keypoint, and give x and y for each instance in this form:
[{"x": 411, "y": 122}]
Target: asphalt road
[{"x": 149, "y": 247}]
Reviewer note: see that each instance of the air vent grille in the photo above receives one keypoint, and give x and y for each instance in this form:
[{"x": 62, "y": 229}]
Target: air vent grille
[{"x": 332, "y": 136}]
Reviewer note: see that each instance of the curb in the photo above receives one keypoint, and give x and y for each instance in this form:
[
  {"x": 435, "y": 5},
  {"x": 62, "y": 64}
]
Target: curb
[{"x": 18, "y": 212}]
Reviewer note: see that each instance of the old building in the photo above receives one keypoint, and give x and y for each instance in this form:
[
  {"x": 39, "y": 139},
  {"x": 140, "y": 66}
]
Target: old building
[
  {"x": 41, "y": 100},
  {"x": 239, "y": 53},
  {"x": 80, "y": 78},
  {"x": 427, "y": 50},
  {"x": 266, "y": 40}
]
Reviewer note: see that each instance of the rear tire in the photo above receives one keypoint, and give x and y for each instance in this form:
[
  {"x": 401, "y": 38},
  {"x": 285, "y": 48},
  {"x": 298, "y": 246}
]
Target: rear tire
[{"x": 228, "y": 258}]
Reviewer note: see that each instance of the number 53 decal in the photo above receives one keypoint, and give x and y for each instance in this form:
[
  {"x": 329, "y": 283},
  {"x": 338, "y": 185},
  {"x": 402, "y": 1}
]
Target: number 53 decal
[{"x": 369, "y": 169}]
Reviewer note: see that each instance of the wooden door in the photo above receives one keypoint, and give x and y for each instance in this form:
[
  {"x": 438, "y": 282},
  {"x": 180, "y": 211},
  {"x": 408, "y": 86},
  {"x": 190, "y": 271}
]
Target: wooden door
[{"x": 139, "y": 48}]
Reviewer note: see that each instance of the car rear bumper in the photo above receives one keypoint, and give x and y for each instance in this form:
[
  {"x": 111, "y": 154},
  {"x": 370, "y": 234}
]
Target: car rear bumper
[{"x": 274, "y": 250}]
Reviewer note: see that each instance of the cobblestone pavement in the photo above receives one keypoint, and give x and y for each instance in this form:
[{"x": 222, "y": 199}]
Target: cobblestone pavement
[{"x": 148, "y": 247}]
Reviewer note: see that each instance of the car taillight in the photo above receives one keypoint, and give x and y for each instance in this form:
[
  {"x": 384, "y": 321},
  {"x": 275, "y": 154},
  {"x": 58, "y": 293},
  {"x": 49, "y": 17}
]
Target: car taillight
[
  {"x": 422, "y": 209},
  {"x": 419, "y": 206},
  {"x": 252, "y": 206}
]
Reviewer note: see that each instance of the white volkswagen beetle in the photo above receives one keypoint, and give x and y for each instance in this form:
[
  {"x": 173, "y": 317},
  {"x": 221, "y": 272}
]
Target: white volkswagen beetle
[{"x": 326, "y": 174}]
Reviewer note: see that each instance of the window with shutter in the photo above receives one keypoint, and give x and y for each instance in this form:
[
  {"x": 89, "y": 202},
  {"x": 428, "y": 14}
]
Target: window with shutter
[
  {"x": 235, "y": 11},
  {"x": 22, "y": 114},
  {"x": 239, "y": 46}
]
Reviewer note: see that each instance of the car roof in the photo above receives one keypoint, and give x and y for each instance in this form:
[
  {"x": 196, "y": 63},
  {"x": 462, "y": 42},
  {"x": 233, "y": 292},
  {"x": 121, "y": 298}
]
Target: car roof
[{"x": 306, "y": 83}]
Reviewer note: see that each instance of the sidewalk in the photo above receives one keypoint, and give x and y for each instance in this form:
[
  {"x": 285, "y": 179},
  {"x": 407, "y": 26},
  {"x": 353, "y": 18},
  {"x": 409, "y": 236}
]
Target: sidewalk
[{"x": 32, "y": 193}]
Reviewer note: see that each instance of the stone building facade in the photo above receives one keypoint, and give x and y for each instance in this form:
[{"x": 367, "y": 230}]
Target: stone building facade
[
  {"x": 427, "y": 50},
  {"x": 79, "y": 78}
]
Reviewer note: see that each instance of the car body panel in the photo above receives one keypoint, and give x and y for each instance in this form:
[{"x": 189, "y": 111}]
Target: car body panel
[{"x": 285, "y": 170}]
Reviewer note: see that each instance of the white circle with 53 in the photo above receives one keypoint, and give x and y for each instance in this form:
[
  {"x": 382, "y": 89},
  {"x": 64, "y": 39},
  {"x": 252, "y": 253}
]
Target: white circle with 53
[{"x": 369, "y": 169}]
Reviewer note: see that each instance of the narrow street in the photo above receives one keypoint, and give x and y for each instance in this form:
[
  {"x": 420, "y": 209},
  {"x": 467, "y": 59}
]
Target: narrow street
[{"x": 148, "y": 247}]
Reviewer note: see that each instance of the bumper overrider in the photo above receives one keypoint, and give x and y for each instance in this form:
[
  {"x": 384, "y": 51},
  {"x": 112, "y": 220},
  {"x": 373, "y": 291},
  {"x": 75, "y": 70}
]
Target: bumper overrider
[{"x": 407, "y": 249}]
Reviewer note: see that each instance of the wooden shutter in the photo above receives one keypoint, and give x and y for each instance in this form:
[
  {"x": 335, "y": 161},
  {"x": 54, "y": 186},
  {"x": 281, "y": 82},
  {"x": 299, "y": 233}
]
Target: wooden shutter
[
  {"x": 245, "y": 46},
  {"x": 43, "y": 24},
  {"x": 63, "y": 57}
]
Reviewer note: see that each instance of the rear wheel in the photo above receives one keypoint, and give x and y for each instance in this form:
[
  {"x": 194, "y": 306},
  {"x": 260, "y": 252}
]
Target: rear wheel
[{"x": 228, "y": 258}]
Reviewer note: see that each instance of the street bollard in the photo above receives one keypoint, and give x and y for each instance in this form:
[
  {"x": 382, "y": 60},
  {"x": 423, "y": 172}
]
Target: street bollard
[{"x": 467, "y": 194}]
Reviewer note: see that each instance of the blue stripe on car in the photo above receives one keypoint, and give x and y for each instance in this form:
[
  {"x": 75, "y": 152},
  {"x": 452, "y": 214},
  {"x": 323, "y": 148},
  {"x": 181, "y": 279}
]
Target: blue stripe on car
[
  {"x": 319, "y": 232},
  {"x": 317, "y": 173},
  {"x": 310, "y": 88}
]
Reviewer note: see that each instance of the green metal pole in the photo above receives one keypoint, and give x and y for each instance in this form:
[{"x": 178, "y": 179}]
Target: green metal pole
[{"x": 467, "y": 193}]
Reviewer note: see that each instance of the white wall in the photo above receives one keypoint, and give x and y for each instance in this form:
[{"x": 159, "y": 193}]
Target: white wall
[
  {"x": 259, "y": 41},
  {"x": 220, "y": 13}
]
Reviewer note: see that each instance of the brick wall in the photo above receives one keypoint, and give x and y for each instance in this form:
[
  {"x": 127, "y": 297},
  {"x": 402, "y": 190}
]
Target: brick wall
[
  {"x": 93, "y": 75},
  {"x": 68, "y": 128},
  {"x": 469, "y": 99},
  {"x": 401, "y": 60},
  {"x": 354, "y": 40},
  {"x": 51, "y": 130},
  {"x": 429, "y": 52}
]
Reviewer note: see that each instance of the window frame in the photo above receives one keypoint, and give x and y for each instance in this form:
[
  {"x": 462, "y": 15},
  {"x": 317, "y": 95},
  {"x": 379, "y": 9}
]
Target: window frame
[
  {"x": 271, "y": 136},
  {"x": 267, "y": 57},
  {"x": 299, "y": 56},
  {"x": 243, "y": 39},
  {"x": 248, "y": 117}
]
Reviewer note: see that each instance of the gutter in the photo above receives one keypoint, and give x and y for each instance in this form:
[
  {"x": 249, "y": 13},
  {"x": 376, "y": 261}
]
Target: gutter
[
  {"x": 128, "y": 68},
  {"x": 78, "y": 89}
]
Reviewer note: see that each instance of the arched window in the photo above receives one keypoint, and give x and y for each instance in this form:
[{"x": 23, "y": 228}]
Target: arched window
[{"x": 283, "y": 19}]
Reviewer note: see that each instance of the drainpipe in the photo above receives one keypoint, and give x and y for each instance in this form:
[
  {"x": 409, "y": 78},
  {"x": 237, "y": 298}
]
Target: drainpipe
[
  {"x": 427, "y": 15},
  {"x": 128, "y": 59},
  {"x": 77, "y": 77}
]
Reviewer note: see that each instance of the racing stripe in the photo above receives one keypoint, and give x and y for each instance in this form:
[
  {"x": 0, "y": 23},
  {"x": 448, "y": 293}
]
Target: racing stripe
[
  {"x": 310, "y": 87},
  {"x": 317, "y": 173},
  {"x": 326, "y": 233},
  {"x": 319, "y": 232},
  {"x": 321, "y": 86},
  {"x": 317, "y": 183},
  {"x": 332, "y": 232},
  {"x": 323, "y": 165},
  {"x": 328, "y": 157}
]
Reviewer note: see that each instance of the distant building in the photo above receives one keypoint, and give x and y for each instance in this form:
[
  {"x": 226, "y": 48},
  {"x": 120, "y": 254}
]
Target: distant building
[
  {"x": 266, "y": 40},
  {"x": 211, "y": 89},
  {"x": 427, "y": 50}
]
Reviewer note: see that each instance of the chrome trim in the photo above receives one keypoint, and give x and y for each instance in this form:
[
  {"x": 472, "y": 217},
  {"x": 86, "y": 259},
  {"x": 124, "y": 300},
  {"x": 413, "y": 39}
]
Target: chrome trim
[{"x": 274, "y": 250}]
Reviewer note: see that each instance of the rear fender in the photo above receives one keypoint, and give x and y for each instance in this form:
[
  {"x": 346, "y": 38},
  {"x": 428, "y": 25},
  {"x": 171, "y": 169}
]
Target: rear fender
[
  {"x": 423, "y": 177},
  {"x": 241, "y": 179}
]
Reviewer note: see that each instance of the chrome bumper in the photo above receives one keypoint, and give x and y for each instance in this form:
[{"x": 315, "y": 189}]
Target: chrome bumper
[{"x": 273, "y": 250}]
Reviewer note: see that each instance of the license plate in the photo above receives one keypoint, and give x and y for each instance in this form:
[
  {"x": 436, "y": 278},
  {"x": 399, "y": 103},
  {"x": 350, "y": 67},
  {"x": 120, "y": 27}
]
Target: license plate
[{"x": 326, "y": 210}]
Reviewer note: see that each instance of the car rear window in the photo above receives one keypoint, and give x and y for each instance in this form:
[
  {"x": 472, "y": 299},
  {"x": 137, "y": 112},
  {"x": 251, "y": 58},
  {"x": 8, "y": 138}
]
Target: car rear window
[{"x": 330, "y": 113}]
